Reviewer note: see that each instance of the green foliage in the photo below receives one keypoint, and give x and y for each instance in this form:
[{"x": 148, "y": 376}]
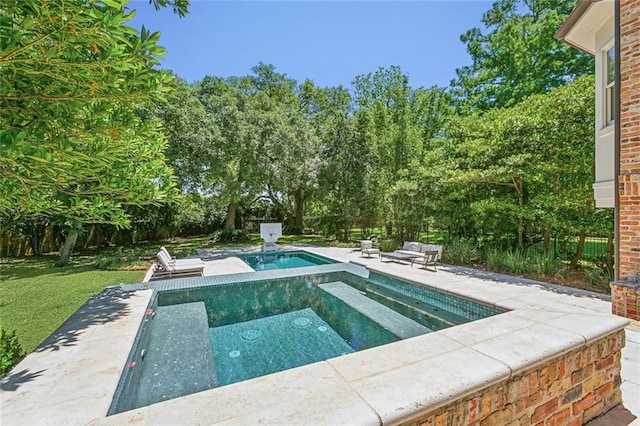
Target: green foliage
[
  {"x": 494, "y": 259},
  {"x": 520, "y": 262},
  {"x": 387, "y": 245},
  {"x": 518, "y": 56},
  {"x": 515, "y": 261},
  {"x": 10, "y": 351},
  {"x": 119, "y": 262},
  {"x": 529, "y": 166},
  {"x": 545, "y": 263},
  {"x": 597, "y": 276},
  {"x": 460, "y": 252},
  {"x": 232, "y": 236},
  {"x": 72, "y": 148}
]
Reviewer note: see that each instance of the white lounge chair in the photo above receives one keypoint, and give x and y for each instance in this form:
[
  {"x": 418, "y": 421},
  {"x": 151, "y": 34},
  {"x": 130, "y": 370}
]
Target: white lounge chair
[
  {"x": 188, "y": 261},
  {"x": 170, "y": 268},
  {"x": 366, "y": 247}
]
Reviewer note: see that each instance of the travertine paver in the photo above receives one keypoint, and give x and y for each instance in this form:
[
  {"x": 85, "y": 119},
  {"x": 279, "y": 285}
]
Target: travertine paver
[
  {"x": 72, "y": 376},
  {"x": 431, "y": 382}
]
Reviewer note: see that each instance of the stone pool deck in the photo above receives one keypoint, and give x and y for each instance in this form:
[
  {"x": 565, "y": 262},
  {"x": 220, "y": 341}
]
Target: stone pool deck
[{"x": 71, "y": 378}]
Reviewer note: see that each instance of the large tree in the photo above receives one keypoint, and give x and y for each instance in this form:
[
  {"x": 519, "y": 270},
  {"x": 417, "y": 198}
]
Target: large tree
[
  {"x": 71, "y": 75},
  {"x": 528, "y": 166},
  {"x": 517, "y": 56}
]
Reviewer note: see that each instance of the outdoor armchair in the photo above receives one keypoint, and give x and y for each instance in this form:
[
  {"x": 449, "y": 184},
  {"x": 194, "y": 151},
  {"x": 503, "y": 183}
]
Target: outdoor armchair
[
  {"x": 366, "y": 247},
  {"x": 429, "y": 258}
]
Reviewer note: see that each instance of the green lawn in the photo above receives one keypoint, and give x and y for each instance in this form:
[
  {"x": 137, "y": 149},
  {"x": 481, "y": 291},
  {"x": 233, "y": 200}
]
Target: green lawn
[{"x": 36, "y": 297}]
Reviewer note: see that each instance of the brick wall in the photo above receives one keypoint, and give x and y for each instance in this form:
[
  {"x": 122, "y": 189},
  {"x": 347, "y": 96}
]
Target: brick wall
[
  {"x": 625, "y": 299},
  {"x": 567, "y": 390},
  {"x": 629, "y": 179}
]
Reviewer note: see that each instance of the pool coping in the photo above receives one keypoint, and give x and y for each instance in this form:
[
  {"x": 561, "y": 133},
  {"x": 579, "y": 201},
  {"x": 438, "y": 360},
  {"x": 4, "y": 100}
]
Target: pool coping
[{"x": 381, "y": 385}]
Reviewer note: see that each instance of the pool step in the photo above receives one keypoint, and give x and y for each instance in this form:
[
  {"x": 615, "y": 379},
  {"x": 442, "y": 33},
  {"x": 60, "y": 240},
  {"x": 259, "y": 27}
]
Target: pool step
[
  {"x": 178, "y": 356},
  {"x": 417, "y": 306},
  {"x": 397, "y": 324}
]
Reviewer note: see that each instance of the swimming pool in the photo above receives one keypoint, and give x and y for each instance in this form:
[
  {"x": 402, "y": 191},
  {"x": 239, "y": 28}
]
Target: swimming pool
[
  {"x": 284, "y": 260},
  {"x": 204, "y": 337}
]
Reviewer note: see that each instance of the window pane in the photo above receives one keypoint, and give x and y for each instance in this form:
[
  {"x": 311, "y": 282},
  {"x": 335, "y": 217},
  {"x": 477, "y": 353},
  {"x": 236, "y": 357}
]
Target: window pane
[{"x": 611, "y": 66}]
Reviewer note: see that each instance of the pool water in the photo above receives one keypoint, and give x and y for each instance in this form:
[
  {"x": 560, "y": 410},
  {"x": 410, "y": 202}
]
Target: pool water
[
  {"x": 267, "y": 345},
  {"x": 284, "y": 260},
  {"x": 204, "y": 337}
]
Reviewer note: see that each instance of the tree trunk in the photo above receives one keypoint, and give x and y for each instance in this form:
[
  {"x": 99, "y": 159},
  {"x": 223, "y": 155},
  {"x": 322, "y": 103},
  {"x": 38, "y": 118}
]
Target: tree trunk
[
  {"x": 579, "y": 250},
  {"x": 231, "y": 216},
  {"x": 520, "y": 216},
  {"x": 89, "y": 239},
  {"x": 298, "y": 212},
  {"x": 609, "y": 260},
  {"x": 67, "y": 248},
  {"x": 583, "y": 234},
  {"x": 546, "y": 240}
]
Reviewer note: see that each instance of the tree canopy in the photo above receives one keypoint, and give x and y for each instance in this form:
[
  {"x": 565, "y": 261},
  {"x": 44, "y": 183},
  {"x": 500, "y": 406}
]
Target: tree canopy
[
  {"x": 518, "y": 56},
  {"x": 93, "y": 132},
  {"x": 70, "y": 77}
]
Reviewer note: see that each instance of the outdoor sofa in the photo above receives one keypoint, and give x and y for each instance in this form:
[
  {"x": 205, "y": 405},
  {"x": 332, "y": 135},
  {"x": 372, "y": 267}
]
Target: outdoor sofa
[{"x": 425, "y": 254}]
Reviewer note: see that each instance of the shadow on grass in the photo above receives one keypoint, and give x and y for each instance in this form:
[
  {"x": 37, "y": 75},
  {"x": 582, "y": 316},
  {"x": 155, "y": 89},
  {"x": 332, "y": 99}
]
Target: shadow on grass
[{"x": 107, "y": 306}]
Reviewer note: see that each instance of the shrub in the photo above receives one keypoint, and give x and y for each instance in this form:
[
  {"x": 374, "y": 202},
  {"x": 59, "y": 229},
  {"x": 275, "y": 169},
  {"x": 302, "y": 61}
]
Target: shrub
[
  {"x": 232, "y": 236},
  {"x": 106, "y": 262},
  {"x": 10, "y": 351},
  {"x": 545, "y": 263},
  {"x": 461, "y": 252},
  {"x": 596, "y": 276},
  {"x": 510, "y": 261},
  {"x": 494, "y": 259},
  {"x": 387, "y": 245},
  {"x": 516, "y": 262}
]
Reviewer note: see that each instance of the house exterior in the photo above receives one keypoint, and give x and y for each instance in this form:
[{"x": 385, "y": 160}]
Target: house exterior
[
  {"x": 610, "y": 30},
  {"x": 590, "y": 29}
]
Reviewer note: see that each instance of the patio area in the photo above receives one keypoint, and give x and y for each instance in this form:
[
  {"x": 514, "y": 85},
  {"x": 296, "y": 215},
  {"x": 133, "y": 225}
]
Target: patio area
[{"x": 72, "y": 377}]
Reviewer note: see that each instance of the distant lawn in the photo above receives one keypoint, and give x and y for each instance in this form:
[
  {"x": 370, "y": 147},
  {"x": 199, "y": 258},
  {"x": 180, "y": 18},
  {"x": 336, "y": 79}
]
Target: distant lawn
[{"x": 36, "y": 297}]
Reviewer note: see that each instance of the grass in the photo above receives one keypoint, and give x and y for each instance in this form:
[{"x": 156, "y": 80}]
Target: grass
[{"x": 36, "y": 297}]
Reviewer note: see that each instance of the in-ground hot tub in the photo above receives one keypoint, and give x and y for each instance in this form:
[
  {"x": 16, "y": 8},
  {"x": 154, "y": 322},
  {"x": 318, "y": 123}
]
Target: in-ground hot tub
[{"x": 204, "y": 337}]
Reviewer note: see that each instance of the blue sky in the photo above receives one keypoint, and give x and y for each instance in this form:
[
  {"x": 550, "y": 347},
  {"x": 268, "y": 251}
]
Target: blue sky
[{"x": 329, "y": 42}]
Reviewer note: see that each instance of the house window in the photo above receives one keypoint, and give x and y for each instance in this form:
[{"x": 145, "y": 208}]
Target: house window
[{"x": 609, "y": 88}]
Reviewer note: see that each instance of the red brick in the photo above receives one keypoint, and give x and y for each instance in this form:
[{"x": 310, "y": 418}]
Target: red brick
[
  {"x": 575, "y": 422},
  {"x": 561, "y": 369},
  {"x": 603, "y": 390},
  {"x": 472, "y": 410},
  {"x": 543, "y": 411},
  {"x": 559, "y": 418},
  {"x": 485, "y": 405},
  {"x": 579, "y": 406}
]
